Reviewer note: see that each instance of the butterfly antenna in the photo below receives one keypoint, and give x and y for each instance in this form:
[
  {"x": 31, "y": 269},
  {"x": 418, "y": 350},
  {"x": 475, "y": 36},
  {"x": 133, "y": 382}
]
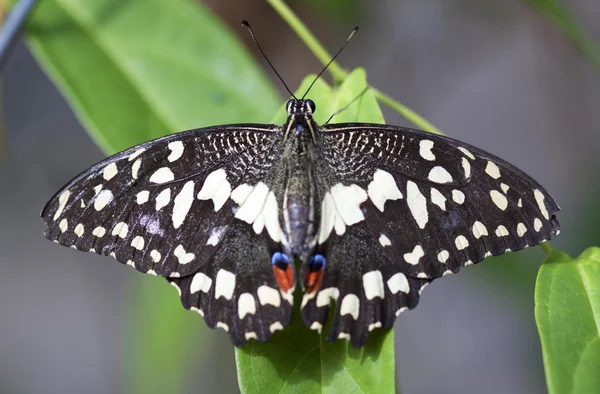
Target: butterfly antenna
[
  {"x": 331, "y": 61},
  {"x": 247, "y": 25}
]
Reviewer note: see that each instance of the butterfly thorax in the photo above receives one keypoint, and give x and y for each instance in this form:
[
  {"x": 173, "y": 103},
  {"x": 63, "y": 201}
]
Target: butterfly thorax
[{"x": 300, "y": 192}]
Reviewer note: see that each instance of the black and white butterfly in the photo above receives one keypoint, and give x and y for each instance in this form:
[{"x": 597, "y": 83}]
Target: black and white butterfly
[{"x": 373, "y": 213}]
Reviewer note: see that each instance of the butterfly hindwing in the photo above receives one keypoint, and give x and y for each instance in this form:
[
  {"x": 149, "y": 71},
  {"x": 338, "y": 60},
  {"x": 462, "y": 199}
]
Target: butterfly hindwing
[{"x": 237, "y": 291}]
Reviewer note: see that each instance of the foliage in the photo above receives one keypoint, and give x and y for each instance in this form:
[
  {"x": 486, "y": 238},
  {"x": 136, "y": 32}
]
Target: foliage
[{"x": 567, "y": 312}]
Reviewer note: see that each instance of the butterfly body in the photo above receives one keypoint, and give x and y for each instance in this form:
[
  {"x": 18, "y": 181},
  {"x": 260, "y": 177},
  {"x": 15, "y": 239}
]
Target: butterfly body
[{"x": 373, "y": 213}]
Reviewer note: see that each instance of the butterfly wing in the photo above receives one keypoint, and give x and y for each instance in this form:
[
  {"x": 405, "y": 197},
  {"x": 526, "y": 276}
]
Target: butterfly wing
[
  {"x": 421, "y": 206},
  {"x": 167, "y": 207}
]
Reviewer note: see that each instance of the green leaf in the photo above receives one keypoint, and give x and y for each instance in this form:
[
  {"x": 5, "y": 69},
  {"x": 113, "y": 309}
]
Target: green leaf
[
  {"x": 297, "y": 359},
  {"x": 139, "y": 69},
  {"x": 559, "y": 15},
  {"x": 567, "y": 312},
  {"x": 132, "y": 71}
]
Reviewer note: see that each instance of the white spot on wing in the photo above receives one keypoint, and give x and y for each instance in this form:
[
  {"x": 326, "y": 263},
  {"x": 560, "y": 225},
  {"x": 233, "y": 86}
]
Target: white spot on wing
[
  {"x": 458, "y": 196},
  {"x": 479, "y": 230},
  {"x": 328, "y": 216},
  {"x": 466, "y": 167},
  {"x": 241, "y": 193},
  {"x": 439, "y": 175},
  {"x": 350, "y": 306},
  {"x": 504, "y": 187},
  {"x": 347, "y": 201},
  {"x": 110, "y": 171},
  {"x": 142, "y": 197},
  {"x": 99, "y": 232},
  {"x": 438, "y": 198},
  {"x": 200, "y": 282},
  {"x": 384, "y": 241},
  {"x": 62, "y": 202},
  {"x": 217, "y": 188},
  {"x": 223, "y": 326},
  {"x": 383, "y": 187},
  {"x": 183, "y": 203},
  {"x": 425, "y": 150},
  {"x": 316, "y": 326},
  {"x": 225, "y": 284},
  {"x": 155, "y": 255},
  {"x": 499, "y": 199},
  {"x": 176, "y": 148},
  {"x": 539, "y": 198},
  {"x": 398, "y": 282},
  {"x": 492, "y": 170},
  {"x": 215, "y": 235},
  {"x": 414, "y": 256},
  {"x": 253, "y": 204},
  {"x": 325, "y": 296},
  {"x": 501, "y": 231},
  {"x": 521, "y": 229},
  {"x": 136, "y": 154},
  {"x": 246, "y": 305},
  {"x": 103, "y": 199},
  {"x": 373, "y": 285},
  {"x": 461, "y": 242},
  {"x": 135, "y": 168},
  {"x": 268, "y": 295},
  {"x": 182, "y": 256},
  {"x": 63, "y": 225},
  {"x": 277, "y": 326},
  {"x": 537, "y": 224},
  {"x": 466, "y": 153},
  {"x": 138, "y": 243},
  {"x": 443, "y": 256},
  {"x": 121, "y": 230},
  {"x": 79, "y": 230},
  {"x": 162, "y": 175},
  {"x": 399, "y": 311},
  {"x": 417, "y": 204},
  {"x": 163, "y": 199}
]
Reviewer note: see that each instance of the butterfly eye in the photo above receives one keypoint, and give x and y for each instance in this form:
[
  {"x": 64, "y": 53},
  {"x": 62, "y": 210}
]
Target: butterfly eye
[
  {"x": 288, "y": 106},
  {"x": 311, "y": 105}
]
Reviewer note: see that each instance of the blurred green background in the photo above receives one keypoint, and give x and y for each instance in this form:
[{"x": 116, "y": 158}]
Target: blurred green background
[{"x": 495, "y": 74}]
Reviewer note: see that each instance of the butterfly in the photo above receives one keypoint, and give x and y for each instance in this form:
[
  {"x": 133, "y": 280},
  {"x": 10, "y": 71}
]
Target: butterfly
[{"x": 361, "y": 216}]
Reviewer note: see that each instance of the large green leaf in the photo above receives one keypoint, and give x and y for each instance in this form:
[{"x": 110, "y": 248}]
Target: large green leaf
[
  {"x": 561, "y": 17},
  {"x": 135, "y": 70},
  {"x": 297, "y": 359},
  {"x": 567, "y": 312},
  {"x": 138, "y": 69}
]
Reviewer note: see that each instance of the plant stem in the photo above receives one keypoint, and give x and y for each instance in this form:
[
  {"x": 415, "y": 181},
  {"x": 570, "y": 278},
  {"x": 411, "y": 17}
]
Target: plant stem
[
  {"x": 338, "y": 73},
  {"x": 546, "y": 247}
]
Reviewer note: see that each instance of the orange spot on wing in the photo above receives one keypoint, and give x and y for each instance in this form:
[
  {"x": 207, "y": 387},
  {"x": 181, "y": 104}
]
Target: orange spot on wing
[
  {"x": 284, "y": 277},
  {"x": 312, "y": 280}
]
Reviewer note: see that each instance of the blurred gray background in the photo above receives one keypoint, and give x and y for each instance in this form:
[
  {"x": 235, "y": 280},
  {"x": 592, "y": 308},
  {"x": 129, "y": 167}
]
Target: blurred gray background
[{"x": 492, "y": 73}]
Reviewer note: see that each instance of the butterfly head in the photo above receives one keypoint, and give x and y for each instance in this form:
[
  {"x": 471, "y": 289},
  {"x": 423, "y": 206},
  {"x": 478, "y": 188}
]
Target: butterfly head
[{"x": 300, "y": 108}]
